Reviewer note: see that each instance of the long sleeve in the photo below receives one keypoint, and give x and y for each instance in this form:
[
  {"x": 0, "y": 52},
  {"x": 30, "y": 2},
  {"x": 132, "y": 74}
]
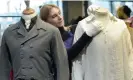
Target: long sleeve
[
  {"x": 5, "y": 60},
  {"x": 60, "y": 57},
  {"x": 78, "y": 46}
]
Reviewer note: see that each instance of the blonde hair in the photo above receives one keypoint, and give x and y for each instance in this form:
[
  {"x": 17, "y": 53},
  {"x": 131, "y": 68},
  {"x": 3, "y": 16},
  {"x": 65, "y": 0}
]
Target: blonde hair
[{"x": 45, "y": 11}]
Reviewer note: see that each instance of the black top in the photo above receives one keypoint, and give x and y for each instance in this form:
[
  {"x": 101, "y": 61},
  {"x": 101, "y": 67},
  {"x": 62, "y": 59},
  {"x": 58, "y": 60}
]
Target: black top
[{"x": 64, "y": 34}]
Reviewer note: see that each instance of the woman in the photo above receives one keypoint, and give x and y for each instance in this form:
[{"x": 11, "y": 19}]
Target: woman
[
  {"x": 124, "y": 13},
  {"x": 51, "y": 14}
]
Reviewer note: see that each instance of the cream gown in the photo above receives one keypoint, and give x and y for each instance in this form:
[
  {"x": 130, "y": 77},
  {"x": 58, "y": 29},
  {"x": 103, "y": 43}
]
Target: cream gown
[{"x": 109, "y": 55}]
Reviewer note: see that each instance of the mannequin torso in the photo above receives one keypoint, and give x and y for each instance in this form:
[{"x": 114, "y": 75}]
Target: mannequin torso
[
  {"x": 104, "y": 58},
  {"x": 101, "y": 17},
  {"x": 27, "y": 19},
  {"x": 28, "y": 14}
]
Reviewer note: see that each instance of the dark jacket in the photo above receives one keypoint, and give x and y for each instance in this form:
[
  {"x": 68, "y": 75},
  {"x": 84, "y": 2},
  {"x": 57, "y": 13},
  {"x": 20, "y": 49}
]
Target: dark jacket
[{"x": 38, "y": 54}]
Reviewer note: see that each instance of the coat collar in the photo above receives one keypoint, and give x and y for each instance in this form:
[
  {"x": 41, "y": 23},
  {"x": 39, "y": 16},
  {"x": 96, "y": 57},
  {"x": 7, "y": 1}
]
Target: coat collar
[
  {"x": 33, "y": 32},
  {"x": 39, "y": 24},
  {"x": 21, "y": 29}
]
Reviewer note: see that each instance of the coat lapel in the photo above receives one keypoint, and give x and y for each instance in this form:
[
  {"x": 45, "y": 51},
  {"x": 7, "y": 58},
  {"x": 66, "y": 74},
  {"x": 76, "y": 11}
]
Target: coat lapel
[
  {"x": 21, "y": 30},
  {"x": 34, "y": 32},
  {"x": 31, "y": 34}
]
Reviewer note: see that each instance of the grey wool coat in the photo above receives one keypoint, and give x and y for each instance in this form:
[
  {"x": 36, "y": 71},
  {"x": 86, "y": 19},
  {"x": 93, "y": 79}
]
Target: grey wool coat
[{"x": 35, "y": 55}]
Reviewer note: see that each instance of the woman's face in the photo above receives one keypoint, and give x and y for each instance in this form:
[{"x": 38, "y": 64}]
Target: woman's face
[{"x": 55, "y": 18}]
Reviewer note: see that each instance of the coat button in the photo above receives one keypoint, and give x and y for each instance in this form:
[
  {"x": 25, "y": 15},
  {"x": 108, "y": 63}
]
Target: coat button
[
  {"x": 24, "y": 76},
  {"x": 21, "y": 56},
  {"x": 32, "y": 78},
  {"x": 21, "y": 45},
  {"x": 30, "y": 67},
  {"x": 31, "y": 46},
  {"x": 31, "y": 56},
  {"x": 23, "y": 67}
]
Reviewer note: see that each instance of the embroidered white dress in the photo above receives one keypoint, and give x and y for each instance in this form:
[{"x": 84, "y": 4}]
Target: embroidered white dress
[{"x": 108, "y": 56}]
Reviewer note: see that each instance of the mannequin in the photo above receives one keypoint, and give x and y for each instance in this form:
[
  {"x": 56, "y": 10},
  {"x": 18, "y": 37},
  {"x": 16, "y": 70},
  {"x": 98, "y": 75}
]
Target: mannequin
[
  {"x": 28, "y": 14},
  {"x": 28, "y": 19},
  {"x": 35, "y": 55},
  {"x": 109, "y": 55},
  {"x": 99, "y": 16}
]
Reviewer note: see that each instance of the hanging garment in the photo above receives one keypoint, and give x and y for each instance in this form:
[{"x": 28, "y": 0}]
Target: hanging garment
[
  {"x": 35, "y": 55},
  {"x": 109, "y": 55}
]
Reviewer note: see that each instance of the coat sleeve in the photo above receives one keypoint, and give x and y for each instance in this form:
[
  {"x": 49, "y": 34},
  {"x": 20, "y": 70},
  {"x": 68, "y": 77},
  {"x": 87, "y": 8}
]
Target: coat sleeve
[
  {"x": 59, "y": 57},
  {"x": 4, "y": 60}
]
